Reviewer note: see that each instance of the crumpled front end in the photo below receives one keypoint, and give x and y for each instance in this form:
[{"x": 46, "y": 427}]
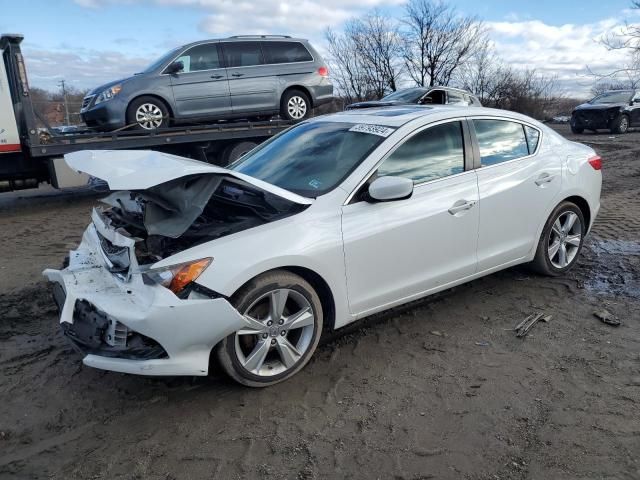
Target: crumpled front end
[{"x": 123, "y": 322}]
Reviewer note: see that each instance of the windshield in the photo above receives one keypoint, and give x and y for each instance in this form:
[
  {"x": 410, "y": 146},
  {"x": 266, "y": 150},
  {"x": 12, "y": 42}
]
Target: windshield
[
  {"x": 613, "y": 97},
  {"x": 408, "y": 95},
  {"x": 311, "y": 159},
  {"x": 159, "y": 62}
]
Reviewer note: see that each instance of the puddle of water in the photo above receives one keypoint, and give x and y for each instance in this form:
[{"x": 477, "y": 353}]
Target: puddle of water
[
  {"x": 616, "y": 269},
  {"x": 615, "y": 247}
]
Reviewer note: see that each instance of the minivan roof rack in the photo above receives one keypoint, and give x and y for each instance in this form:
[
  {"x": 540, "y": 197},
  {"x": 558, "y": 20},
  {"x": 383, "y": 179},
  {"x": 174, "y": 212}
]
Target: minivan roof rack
[{"x": 260, "y": 36}]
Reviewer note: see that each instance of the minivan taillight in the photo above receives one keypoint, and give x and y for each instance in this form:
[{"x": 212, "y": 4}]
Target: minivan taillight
[
  {"x": 596, "y": 162},
  {"x": 323, "y": 71}
]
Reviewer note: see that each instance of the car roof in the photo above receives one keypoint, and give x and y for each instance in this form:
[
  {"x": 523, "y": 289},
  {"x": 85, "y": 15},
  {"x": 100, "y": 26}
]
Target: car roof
[
  {"x": 245, "y": 38},
  {"x": 397, "y": 116}
]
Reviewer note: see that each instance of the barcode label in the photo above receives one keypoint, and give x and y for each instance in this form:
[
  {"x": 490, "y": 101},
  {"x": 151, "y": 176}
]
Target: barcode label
[{"x": 372, "y": 129}]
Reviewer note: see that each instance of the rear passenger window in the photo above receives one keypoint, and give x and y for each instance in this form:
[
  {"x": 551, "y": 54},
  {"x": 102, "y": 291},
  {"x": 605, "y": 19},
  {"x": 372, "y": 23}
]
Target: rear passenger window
[
  {"x": 533, "y": 137},
  {"x": 455, "y": 97},
  {"x": 433, "y": 153},
  {"x": 500, "y": 141},
  {"x": 285, "y": 52},
  {"x": 200, "y": 57},
  {"x": 242, "y": 54}
]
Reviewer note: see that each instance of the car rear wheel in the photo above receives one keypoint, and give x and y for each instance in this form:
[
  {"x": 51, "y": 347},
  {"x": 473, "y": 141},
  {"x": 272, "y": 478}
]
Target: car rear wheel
[
  {"x": 148, "y": 113},
  {"x": 295, "y": 105},
  {"x": 284, "y": 322},
  {"x": 561, "y": 240},
  {"x": 576, "y": 130},
  {"x": 620, "y": 125}
]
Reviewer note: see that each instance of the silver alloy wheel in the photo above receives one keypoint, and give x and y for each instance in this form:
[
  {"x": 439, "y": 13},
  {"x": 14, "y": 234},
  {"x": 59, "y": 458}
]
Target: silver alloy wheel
[
  {"x": 297, "y": 107},
  {"x": 624, "y": 124},
  {"x": 280, "y": 331},
  {"x": 565, "y": 239},
  {"x": 149, "y": 116}
]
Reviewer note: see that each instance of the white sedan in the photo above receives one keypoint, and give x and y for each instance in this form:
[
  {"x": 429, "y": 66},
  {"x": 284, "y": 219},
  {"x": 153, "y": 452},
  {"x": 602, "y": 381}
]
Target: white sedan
[{"x": 335, "y": 219}]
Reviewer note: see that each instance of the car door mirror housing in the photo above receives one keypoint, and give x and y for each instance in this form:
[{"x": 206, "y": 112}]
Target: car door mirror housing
[
  {"x": 387, "y": 189},
  {"x": 175, "y": 67}
]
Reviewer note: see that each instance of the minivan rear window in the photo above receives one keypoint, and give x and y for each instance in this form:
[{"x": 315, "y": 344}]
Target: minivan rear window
[
  {"x": 242, "y": 54},
  {"x": 285, "y": 52}
]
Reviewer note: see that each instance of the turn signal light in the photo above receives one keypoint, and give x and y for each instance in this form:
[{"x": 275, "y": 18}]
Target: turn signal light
[
  {"x": 176, "y": 277},
  {"x": 596, "y": 162},
  {"x": 323, "y": 71}
]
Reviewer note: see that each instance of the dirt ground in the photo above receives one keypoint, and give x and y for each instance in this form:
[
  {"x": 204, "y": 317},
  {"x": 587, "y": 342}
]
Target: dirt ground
[{"x": 440, "y": 389}]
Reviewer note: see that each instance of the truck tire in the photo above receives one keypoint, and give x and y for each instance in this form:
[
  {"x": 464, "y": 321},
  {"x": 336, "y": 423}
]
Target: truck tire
[
  {"x": 236, "y": 150},
  {"x": 148, "y": 113}
]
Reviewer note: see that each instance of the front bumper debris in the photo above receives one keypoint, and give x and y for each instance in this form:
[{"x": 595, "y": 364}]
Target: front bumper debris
[{"x": 122, "y": 324}]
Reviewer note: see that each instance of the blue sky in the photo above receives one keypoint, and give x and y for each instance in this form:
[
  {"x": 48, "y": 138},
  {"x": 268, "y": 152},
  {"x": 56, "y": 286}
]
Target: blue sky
[{"x": 89, "y": 42}]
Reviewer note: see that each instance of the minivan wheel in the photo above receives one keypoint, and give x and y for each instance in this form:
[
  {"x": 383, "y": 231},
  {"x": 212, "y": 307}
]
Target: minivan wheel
[
  {"x": 295, "y": 105},
  {"x": 620, "y": 124},
  {"x": 284, "y": 317},
  {"x": 561, "y": 240},
  {"x": 576, "y": 130},
  {"x": 148, "y": 113}
]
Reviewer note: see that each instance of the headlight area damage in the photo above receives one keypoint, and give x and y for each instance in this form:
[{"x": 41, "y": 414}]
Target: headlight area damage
[{"x": 116, "y": 308}]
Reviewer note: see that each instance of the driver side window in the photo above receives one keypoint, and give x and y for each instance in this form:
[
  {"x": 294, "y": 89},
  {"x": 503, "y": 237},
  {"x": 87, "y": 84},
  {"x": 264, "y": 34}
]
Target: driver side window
[
  {"x": 199, "y": 58},
  {"x": 433, "y": 153}
]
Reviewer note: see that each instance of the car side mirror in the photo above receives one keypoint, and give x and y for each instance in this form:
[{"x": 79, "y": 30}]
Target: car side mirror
[
  {"x": 387, "y": 189},
  {"x": 175, "y": 67}
]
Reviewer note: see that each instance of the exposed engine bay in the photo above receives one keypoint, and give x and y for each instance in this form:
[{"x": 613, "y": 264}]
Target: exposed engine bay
[{"x": 187, "y": 211}]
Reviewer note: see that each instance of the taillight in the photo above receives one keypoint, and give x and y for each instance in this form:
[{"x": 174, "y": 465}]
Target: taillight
[
  {"x": 323, "y": 71},
  {"x": 596, "y": 162}
]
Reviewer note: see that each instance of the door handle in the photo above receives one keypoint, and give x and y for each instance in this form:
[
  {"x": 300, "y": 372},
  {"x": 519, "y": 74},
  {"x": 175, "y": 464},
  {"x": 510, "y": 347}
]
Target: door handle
[
  {"x": 544, "y": 178},
  {"x": 461, "y": 206},
  {"x": 237, "y": 74},
  {"x": 217, "y": 76}
]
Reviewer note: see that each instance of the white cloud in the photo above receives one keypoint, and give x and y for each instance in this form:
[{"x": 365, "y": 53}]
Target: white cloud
[{"x": 563, "y": 50}]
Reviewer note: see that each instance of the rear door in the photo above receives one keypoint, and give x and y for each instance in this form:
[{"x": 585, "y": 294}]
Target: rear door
[
  {"x": 517, "y": 182},
  {"x": 253, "y": 85},
  {"x": 401, "y": 249},
  {"x": 201, "y": 89}
]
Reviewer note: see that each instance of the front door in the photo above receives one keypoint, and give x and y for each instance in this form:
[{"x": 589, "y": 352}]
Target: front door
[
  {"x": 402, "y": 249},
  {"x": 201, "y": 89}
]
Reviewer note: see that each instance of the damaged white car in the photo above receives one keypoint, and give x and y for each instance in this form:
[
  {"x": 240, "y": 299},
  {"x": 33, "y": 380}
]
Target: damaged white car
[{"x": 335, "y": 219}]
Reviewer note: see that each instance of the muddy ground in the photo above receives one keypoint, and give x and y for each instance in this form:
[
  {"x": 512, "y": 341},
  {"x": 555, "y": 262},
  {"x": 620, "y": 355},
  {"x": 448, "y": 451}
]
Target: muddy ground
[{"x": 440, "y": 389}]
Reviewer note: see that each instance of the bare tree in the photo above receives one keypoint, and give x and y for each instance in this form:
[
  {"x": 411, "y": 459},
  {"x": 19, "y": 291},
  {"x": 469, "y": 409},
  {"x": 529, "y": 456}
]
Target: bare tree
[
  {"x": 366, "y": 57},
  {"x": 438, "y": 41},
  {"x": 347, "y": 68},
  {"x": 623, "y": 38},
  {"x": 379, "y": 45}
]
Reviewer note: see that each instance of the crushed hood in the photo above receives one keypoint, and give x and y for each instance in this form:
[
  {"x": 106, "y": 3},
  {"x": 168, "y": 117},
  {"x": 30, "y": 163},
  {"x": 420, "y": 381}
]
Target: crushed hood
[{"x": 144, "y": 169}]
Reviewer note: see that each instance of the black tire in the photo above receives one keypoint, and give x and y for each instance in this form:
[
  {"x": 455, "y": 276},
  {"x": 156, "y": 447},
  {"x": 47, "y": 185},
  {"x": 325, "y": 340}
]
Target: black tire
[
  {"x": 576, "y": 130},
  {"x": 541, "y": 262},
  {"x": 289, "y": 114},
  {"x": 236, "y": 150},
  {"x": 155, "y": 105},
  {"x": 620, "y": 125},
  {"x": 244, "y": 299}
]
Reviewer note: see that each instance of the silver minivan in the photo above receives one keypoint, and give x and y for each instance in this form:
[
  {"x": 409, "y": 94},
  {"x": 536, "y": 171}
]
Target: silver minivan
[{"x": 250, "y": 76}]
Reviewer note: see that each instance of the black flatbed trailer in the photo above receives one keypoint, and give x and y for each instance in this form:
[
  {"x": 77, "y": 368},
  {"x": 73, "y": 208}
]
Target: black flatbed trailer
[{"x": 35, "y": 156}]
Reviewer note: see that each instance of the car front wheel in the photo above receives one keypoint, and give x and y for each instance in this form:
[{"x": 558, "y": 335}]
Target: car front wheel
[
  {"x": 561, "y": 240},
  {"x": 620, "y": 125},
  {"x": 148, "y": 113},
  {"x": 284, "y": 321}
]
